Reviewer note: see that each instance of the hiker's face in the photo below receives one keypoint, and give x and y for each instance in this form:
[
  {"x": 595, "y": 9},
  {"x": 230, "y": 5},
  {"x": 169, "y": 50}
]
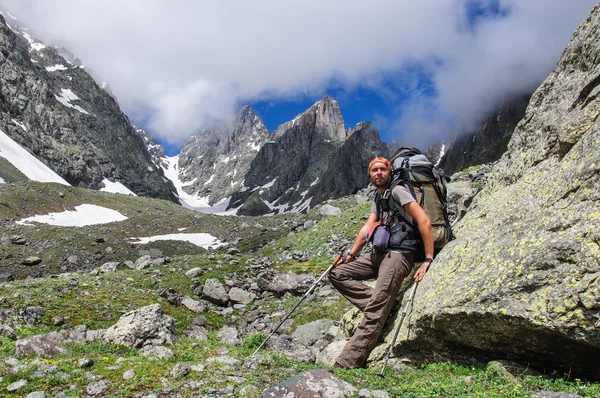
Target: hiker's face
[{"x": 380, "y": 175}]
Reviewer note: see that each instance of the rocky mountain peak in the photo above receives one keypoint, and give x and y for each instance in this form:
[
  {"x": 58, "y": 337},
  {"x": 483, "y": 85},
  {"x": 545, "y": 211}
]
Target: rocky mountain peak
[
  {"x": 293, "y": 160},
  {"x": 213, "y": 163},
  {"x": 326, "y": 118}
]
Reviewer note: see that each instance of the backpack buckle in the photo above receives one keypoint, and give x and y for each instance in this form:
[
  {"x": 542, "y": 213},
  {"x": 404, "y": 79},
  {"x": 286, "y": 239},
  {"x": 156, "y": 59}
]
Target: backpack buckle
[{"x": 384, "y": 200}]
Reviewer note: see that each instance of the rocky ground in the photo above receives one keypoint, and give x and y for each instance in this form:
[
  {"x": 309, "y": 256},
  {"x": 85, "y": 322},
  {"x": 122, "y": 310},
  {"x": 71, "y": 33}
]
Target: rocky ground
[{"x": 171, "y": 319}]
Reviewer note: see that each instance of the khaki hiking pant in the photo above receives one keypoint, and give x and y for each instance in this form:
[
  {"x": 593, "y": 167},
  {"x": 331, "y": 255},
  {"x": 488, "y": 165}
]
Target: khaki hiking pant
[{"x": 390, "y": 269}]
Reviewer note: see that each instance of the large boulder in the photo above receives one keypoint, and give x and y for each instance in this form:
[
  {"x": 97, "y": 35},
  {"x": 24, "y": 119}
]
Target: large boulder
[
  {"x": 147, "y": 326},
  {"x": 522, "y": 279}
]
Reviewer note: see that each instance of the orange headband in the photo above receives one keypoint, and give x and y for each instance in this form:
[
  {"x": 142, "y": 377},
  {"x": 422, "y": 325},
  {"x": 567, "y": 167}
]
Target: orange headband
[{"x": 380, "y": 160}]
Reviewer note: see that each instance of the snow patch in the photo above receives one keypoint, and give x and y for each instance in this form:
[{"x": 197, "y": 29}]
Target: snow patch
[
  {"x": 56, "y": 67},
  {"x": 442, "y": 152},
  {"x": 34, "y": 45},
  {"x": 115, "y": 187},
  {"x": 65, "y": 98},
  {"x": 26, "y": 162},
  {"x": 200, "y": 239},
  {"x": 82, "y": 216},
  {"x": 270, "y": 184},
  {"x": 254, "y": 146},
  {"x": 2, "y": 181},
  {"x": 209, "y": 180},
  {"x": 19, "y": 124}
]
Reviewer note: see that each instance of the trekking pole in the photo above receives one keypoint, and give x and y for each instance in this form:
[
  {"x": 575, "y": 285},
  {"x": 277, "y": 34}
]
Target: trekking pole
[
  {"x": 299, "y": 302},
  {"x": 387, "y": 357}
]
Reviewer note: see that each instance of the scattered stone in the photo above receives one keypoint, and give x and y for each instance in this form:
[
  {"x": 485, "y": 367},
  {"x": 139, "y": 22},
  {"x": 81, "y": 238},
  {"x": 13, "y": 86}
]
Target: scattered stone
[
  {"x": 97, "y": 388},
  {"x": 229, "y": 335},
  {"x": 224, "y": 360},
  {"x": 240, "y": 296},
  {"x": 180, "y": 370},
  {"x": 157, "y": 352},
  {"x": 249, "y": 391},
  {"x": 328, "y": 210},
  {"x": 58, "y": 320},
  {"x": 30, "y": 261},
  {"x": 128, "y": 375},
  {"x": 291, "y": 349},
  {"x": 193, "y": 305},
  {"x": 194, "y": 272},
  {"x": 499, "y": 368},
  {"x": 108, "y": 268},
  {"x": 291, "y": 283},
  {"x": 17, "y": 385},
  {"x": 314, "y": 383},
  {"x": 214, "y": 291},
  {"x": 143, "y": 262},
  {"x": 37, "y": 394},
  {"x": 7, "y": 331},
  {"x": 328, "y": 355},
  {"x": 85, "y": 363},
  {"x": 310, "y": 333}
]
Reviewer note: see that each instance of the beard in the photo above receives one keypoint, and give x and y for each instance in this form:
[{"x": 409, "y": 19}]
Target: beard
[{"x": 382, "y": 183}]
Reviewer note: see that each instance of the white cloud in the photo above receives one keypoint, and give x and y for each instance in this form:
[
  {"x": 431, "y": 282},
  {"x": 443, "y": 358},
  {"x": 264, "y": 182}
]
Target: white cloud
[{"x": 180, "y": 64}]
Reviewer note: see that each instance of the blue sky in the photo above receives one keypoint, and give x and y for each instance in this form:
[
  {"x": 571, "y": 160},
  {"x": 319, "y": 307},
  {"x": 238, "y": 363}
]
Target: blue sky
[{"x": 420, "y": 71}]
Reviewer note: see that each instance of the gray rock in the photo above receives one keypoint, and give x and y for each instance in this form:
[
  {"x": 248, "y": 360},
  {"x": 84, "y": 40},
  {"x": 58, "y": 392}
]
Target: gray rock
[
  {"x": 194, "y": 272},
  {"x": 193, "y": 305},
  {"x": 156, "y": 352},
  {"x": 33, "y": 260},
  {"x": 328, "y": 355},
  {"x": 314, "y": 383},
  {"x": 180, "y": 370},
  {"x": 240, "y": 296},
  {"x": 85, "y": 363},
  {"x": 50, "y": 344},
  {"x": 143, "y": 262},
  {"x": 229, "y": 335},
  {"x": 328, "y": 210},
  {"x": 145, "y": 326},
  {"x": 98, "y": 387},
  {"x": 284, "y": 345},
  {"x": 215, "y": 292},
  {"x": 16, "y": 386},
  {"x": 225, "y": 361},
  {"x": 37, "y": 394},
  {"x": 287, "y": 283},
  {"x": 7, "y": 331},
  {"x": 109, "y": 267},
  {"x": 129, "y": 374},
  {"x": 309, "y": 333}
]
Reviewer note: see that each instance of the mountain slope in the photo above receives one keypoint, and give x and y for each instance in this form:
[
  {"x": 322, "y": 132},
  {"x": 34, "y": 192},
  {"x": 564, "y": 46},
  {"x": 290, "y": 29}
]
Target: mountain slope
[{"x": 59, "y": 113}]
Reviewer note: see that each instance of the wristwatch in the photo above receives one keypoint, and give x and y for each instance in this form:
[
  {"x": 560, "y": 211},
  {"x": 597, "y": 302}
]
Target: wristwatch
[
  {"x": 349, "y": 253},
  {"x": 428, "y": 260}
]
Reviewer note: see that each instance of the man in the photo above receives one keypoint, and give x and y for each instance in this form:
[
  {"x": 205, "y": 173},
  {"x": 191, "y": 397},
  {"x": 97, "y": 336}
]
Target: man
[{"x": 389, "y": 266}]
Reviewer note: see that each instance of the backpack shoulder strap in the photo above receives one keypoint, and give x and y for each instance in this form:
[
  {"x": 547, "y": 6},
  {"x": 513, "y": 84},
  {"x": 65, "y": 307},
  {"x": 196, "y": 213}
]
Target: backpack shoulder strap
[{"x": 394, "y": 205}]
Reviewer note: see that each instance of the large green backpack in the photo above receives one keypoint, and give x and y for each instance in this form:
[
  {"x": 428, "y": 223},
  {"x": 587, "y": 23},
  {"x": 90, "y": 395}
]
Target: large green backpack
[{"x": 414, "y": 170}]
